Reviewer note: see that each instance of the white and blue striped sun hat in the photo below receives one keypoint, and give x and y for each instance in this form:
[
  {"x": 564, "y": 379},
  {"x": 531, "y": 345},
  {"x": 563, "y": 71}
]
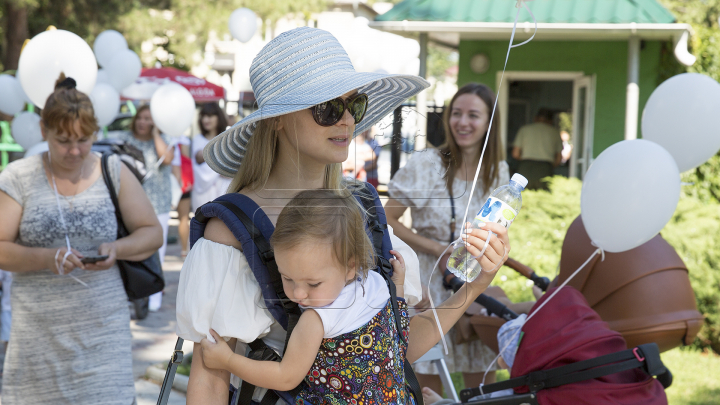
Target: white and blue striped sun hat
[{"x": 297, "y": 70}]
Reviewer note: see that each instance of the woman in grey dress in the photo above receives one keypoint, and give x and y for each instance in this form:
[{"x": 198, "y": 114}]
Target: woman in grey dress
[{"x": 70, "y": 342}]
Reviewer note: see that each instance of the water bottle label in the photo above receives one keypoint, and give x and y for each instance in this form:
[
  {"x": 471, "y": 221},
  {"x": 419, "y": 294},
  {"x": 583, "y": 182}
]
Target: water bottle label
[{"x": 496, "y": 210}]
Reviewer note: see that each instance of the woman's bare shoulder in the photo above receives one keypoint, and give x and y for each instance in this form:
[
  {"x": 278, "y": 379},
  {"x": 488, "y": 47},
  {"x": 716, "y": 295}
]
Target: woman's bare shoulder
[{"x": 218, "y": 232}]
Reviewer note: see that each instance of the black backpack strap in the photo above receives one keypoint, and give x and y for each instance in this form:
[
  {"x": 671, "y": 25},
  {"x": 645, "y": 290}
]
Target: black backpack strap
[
  {"x": 259, "y": 350},
  {"x": 175, "y": 360},
  {"x": 646, "y": 357},
  {"x": 267, "y": 256}
]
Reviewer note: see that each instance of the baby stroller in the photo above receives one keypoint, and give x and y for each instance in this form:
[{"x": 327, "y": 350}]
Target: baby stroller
[
  {"x": 621, "y": 289},
  {"x": 568, "y": 355}
]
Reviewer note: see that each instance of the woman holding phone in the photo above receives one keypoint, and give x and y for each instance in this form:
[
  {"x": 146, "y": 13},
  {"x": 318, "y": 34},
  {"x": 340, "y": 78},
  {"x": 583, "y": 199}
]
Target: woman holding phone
[{"x": 70, "y": 341}]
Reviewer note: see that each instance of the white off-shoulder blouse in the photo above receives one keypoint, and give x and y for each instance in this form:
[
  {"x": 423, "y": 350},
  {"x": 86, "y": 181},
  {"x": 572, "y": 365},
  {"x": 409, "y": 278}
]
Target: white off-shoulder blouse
[{"x": 218, "y": 290}]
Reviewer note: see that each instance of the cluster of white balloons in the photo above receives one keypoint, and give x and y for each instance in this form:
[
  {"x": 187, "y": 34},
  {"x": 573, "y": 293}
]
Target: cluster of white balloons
[
  {"x": 120, "y": 65},
  {"x": 120, "y": 68},
  {"x": 632, "y": 189}
]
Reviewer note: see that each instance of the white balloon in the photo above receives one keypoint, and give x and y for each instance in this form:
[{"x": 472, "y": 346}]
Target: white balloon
[
  {"x": 682, "y": 116},
  {"x": 124, "y": 69},
  {"x": 12, "y": 100},
  {"x": 106, "y": 103},
  {"x": 36, "y": 149},
  {"x": 50, "y": 53},
  {"x": 24, "y": 95},
  {"x": 629, "y": 193},
  {"x": 102, "y": 77},
  {"x": 243, "y": 24},
  {"x": 25, "y": 129},
  {"x": 107, "y": 44},
  {"x": 172, "y": 108}
]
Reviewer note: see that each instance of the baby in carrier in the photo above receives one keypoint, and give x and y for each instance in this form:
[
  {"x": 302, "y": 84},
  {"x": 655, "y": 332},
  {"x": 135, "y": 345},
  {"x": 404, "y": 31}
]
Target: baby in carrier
[{"x": 346, "y": 345}]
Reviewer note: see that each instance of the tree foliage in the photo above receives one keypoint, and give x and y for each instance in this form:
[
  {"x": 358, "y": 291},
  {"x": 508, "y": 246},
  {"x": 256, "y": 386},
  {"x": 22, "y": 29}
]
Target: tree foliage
[
  {"x": 179, "y": 29},
  {"x": 86, "y": 18}
]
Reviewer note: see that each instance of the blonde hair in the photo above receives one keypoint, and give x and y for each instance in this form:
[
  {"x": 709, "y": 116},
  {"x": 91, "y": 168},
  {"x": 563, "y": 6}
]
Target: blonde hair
[
  {"x": 65, "y": 106},
  {"x": 260, "y": 155},
  {"x": 326, "y": 215}
]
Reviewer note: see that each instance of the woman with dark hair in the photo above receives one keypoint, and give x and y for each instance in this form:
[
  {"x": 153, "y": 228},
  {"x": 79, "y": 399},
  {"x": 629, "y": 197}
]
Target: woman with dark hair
[
  {"x": 208, "y": 184},
  {"x": 436, "y": 187},
  {"x": 70, "y": 341},
  {"x": 158, "y": 153}
]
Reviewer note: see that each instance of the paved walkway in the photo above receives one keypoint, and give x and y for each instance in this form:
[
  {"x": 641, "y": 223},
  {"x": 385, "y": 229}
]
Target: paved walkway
[{"x": 154, "y": 337}]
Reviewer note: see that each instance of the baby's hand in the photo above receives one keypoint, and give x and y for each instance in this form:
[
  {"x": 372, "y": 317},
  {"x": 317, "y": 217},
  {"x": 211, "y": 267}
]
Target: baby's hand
[
  {"x": 398, "y": 277},
  {"x": 216, "y": 355}
]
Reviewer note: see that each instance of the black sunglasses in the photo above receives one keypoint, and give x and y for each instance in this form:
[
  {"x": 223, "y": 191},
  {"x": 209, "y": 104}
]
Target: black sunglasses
[{"x": 330, "y": 112}]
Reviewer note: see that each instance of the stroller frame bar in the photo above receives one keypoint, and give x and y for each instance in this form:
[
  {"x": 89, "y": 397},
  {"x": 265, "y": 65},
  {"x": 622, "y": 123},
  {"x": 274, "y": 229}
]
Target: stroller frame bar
[{"x": 645, "y": 356}]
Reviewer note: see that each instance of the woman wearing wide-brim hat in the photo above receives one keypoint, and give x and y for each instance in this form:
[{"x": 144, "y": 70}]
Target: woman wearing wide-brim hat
[{"x": 312, "y": 102}]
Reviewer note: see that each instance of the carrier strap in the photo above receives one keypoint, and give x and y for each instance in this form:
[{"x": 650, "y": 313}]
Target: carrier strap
[
  {"x": 377, "y": 230},
  {"x": 259, "y": 350},
  {"x": 646, "y": 356},
  {"x": 175, "y": 360},
  {"x": 267, "y": 256}
]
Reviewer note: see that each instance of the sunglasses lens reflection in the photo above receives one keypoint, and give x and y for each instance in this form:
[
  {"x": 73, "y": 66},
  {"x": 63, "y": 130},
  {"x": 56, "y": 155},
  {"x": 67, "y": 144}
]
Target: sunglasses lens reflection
[{"x": 330, "y": 112}]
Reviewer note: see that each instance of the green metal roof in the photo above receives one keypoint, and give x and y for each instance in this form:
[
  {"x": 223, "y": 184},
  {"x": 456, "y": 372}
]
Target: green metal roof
[{"x": 546, "y": 11}]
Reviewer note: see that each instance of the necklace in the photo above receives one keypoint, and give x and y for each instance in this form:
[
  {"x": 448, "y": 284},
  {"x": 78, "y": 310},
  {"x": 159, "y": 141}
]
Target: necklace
[{"x": 70, "y": 201}]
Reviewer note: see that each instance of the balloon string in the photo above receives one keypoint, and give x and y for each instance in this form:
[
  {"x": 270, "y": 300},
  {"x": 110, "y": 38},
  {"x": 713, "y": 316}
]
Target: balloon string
[
  {"x": 492, "y": 116},
  {"x": 477, "y": 172},
  {"x": 599, "y": 251},
  {"x": 159, "y": 162}
]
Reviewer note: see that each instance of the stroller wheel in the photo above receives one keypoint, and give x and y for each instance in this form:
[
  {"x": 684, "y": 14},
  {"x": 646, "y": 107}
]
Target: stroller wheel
[{"x": 141, "y": 307}]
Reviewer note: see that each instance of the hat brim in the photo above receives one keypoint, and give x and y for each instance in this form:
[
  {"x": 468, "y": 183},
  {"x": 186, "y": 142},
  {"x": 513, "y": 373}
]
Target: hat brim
[{"x": 225, "y": 153}]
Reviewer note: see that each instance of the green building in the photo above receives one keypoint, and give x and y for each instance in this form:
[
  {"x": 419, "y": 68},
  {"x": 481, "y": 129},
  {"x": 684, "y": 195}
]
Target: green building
[{"x": 597, "y": 59}]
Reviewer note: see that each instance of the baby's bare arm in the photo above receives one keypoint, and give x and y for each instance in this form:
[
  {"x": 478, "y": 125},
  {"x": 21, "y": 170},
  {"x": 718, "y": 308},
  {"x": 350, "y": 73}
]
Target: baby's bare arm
[{"x": 298, "y": 359}]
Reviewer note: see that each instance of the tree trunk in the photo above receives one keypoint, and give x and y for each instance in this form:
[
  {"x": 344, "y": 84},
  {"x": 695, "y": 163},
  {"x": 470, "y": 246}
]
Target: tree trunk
[{"x": 16, "y": 33}]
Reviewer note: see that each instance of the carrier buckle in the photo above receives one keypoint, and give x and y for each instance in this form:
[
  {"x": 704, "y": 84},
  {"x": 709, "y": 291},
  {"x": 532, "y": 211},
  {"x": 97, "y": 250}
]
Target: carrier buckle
[
  {"x": 638, "y": 356},
  {"x": 177, "y": 357}
]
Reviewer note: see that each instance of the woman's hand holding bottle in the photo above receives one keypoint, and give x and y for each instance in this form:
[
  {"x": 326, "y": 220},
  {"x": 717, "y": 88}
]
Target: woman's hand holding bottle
[{"x": 495, "y": 255}]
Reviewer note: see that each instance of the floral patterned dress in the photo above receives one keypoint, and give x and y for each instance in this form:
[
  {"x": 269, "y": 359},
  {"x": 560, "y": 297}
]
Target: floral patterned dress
[
  {"x": 362, "y": 367},
  {"x": 419, "y": 185}
]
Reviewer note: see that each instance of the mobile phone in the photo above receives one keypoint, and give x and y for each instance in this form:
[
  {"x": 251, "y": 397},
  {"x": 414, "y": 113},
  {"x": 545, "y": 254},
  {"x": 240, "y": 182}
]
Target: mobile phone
[{"x": 93, "y": 259}]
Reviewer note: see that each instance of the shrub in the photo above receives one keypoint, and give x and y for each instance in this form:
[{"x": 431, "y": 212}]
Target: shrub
[{"x": 539, "y": 230}]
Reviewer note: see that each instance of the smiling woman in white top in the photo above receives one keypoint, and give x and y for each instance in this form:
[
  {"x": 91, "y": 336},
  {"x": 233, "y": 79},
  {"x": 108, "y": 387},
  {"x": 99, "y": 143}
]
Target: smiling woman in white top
[{"x": 431, "y": 185}]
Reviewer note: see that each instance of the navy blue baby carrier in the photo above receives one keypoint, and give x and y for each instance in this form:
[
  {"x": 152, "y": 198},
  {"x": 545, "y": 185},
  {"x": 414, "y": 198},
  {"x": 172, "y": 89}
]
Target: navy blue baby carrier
[{"x": 251, "y": 226}]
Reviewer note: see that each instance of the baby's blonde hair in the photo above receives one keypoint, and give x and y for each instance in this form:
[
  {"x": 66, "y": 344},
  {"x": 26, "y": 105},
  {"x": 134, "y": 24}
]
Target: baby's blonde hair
[{"x": 326, "y": 215}]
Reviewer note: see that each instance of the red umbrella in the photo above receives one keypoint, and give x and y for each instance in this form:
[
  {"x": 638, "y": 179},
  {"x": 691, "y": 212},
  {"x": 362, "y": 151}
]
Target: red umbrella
[{"x": 152, "y": 78}]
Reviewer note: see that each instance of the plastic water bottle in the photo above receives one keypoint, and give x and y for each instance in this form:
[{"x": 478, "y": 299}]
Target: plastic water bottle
[{"x": 502, "y": 207}]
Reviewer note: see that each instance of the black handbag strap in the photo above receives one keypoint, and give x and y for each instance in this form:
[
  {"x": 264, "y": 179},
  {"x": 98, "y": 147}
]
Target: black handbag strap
[
  {"x": 175, "y": 360},
  {"x": 645, "y": 356},
  {"x": 453, "y": 220},
  {"x": 113, "y": 194}
]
